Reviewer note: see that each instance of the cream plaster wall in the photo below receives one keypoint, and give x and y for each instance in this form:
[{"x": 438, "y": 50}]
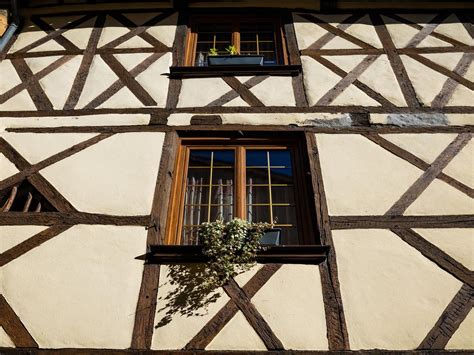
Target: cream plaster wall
[
  {"x": 5, "y": 340},
  {"x": 361, "y": 178},
  {"x": 392, "y": 294},
  {"x": 114, "y": 176},
  {"x": 79, "y": 289},
  {"x": 11, "y": 236},
  {"x": 292, "y": 304},
  {"x": 7, "y": 168},
  {"x": 462, "y": 166},
  {"x": 463, "y": 338}
]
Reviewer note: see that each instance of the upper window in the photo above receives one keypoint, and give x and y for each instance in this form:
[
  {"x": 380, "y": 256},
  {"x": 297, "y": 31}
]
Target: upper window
[
  {"x": 254, "y": 180},
  {"x": 250, "y": 36}
]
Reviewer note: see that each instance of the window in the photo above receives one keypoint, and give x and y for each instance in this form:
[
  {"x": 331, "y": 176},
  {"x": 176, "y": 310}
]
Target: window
[
  {"x": 257, "y": 179},
  {"x": 250, "y": 35}
]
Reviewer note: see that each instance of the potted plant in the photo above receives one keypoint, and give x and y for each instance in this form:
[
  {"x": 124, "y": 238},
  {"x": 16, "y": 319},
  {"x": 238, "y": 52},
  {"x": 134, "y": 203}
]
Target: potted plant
[
  {"x": 231, "y": 247},
  {"x": 233, "y": 58}
]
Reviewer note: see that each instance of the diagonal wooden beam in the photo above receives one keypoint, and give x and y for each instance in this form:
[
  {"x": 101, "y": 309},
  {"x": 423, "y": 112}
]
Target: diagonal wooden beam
[
  {"x": 128, "y": 80},
  {"x": 83, "y": 72},
  {"x": 32, "y": 169},
  {"x": 118, "y": 84},
  {"x": 253, "y": 316},
  {"x": 429, "y": 175},
  {"x": 343, "y": 74},
  {"x": 450, "y": 320},
  {"x": 436, "y": 255},
  {"x": 243, "y": 91},
  {"x": 419, "y": 163},
  {"x": 55, "y": 34},
  {"x": 397, "y": 65},
  {"x": 232, "y": 94},
  {"x": 427, "y": 30},
  {"x": 31, "y": 243},
  {"x": 35, "y": 90},
  {"x": 225, "y": 314},
  {"x": 13, "y": 326},
  {"x": 140, "y": 31},
  {"x": 451, "y": 84},
  {"x": 39, "y": 182}
]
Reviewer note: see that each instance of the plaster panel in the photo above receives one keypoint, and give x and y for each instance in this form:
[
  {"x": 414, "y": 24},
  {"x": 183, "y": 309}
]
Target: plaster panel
[
  {"x": 352, "y": 95},
  {"x": 114, "y": 176},
  {"x": 365, "y": 31},
  {"x": 90, "y": 120},
  {"x": 426, "y": 146},
  {"x": 318, "y": 80},
  {"x": 297, "y": 318},
  {"x": 10, "y": 77},
  {"x": 462, "y": 96},
  {"x": 131, "y": 60},
  {"x": 401, "y": 34},
  {"x": 20, "y": 102},
  {"x": 300, "y": 119},
  {"x": 5, "y": 340},
  {"x": 58, "y": 84},
  {"x": 193, "y": 95},
  {"x": 36, "y": 147},
  {"x": 361, "y": 178},
  {"x": 237, "y": 102},
  {"x": 180, "y": 328},
  {"x": 135, "y": 42},
  {"x": 111, "y": 31},
  {"x": 29, "y": 35},
  {"x": 462, "y": 338},
  {"x": 306, "y": 32},
  {"x": 431, "y": 41},
  {"x": 39, "y": 63},
  {"x": 345, "y": 62},
  {"x": 392, "y": 294},
  {"x": 275, "y": 91},
  {"x": 165, "y": 30},
  {"x": 453, "y": 27},
  {"x": 123, "y": 98},
  {"x": 80, "y": 36},
  {"x": 446, "y": 60},
  {"x": 237, "y": 335},
  {"x": 14, "y": 235},
  {"x": 7, "y": 168},
  {"x": 461, "y": 119},
  {"x": 245, "y": 277},
  {"x": 79, "y": 289},
  {"x": 462, "y": 166},
  {"x": 456, "y": 242},
  {"x": 439, "y": 198},
  {"x": 340, "y": 43}
]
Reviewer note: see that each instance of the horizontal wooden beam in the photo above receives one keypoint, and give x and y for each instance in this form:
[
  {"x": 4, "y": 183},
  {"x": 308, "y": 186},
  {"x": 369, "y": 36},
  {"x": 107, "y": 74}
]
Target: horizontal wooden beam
[{"x": 389, "y": 222}]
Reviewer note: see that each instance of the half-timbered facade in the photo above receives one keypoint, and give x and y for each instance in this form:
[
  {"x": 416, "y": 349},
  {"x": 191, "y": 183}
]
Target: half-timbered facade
[{"x": 353, "y": 135}]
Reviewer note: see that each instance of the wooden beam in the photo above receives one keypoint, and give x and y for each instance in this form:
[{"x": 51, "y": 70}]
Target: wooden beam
[
  {"x": 243, "y": 91},
  {"x": 13, "y": 326},
  {"x": 401, "y": 222}
]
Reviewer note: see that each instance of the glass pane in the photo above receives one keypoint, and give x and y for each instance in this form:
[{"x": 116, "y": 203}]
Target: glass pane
[
  {"x": 283, "y": 194},
  {"x": 280, "y": 158},
  {"x": 256, "y": 158},
  {"x": 198, "y": 176},
  {"x": 284, "y": 215},
  {"x": 200, "y": 158},
  {"x": 196, "y": 195},
  {"x": 257, "y": 176},
  {"x": 281, "y": 176},
  {"x": 258, "y": 213},
  {"x": 223, "y": 212},
  {"x": 257, "y": 194},
  {"x": 194, "y": 215},
  {"x": 224, "y": 158}
]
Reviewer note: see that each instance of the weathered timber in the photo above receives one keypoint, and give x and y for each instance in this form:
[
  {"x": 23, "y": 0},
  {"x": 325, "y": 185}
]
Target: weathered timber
[
  {"x": 232, "y": 94},
  {"x": 243, "y": 91},
  {"x": 13, "y": 326},
  {"x": 401, "y": 222}
]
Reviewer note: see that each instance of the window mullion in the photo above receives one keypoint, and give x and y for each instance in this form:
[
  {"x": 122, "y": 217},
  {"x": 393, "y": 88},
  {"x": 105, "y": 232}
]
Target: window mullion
[{"x": 240, "y": 198}]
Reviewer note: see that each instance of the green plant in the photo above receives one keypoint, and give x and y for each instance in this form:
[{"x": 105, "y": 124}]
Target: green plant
[
  {"x": 231, "y": 247},
  {"x": 232, "y": 50},
  {"x": 213, "y": 51}
]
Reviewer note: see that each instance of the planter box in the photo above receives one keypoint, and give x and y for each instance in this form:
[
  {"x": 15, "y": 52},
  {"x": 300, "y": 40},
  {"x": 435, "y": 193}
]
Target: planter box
[
  {"x": 215, "y": 60},
  {"x": 271, "y": 237}
]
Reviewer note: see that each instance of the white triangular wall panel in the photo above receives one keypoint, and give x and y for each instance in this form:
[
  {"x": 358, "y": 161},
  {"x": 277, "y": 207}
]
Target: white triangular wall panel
[
  {"x": 462, "y": 96},
  {"x": 7, "y": 168},
  {"x": 439, "y": 198},
  {"x": 10, "y": 77},
  {"x": 80, "y": 36},
  {"x": 245, "y": 277},
  {"x": 192, "y": 94},
  {"x": 400, "y": 33},
  {"x": 463, "y": 337},
  {"x": 364, "y": 31},
  {"x": 39, "y": 63},
  {"x": 131, "y": 60},
  {"x": 36, "y": 147},
  {"x": 431, "y": 41},
  {"x": 470, "y": 72},
  {"x": 354, "y": 96},
  {"x": 237, "y": 102},
  {"x": 58, "y": 83},
  {"x": 123, "y": 98},
  {"x": 50, "y": 45},
  {"x": 447, "y": 60},
  {"x": 453, "y": 27},
  {"x": 346, "y": 62},
  {"x": 115, "y": 176},
  {"x": 111, "y": 31},
  {"x": 462, "y": 165},
  {"x": 27, "y": 37},
  {"x": 456, "y": 242},
  {"x": 99, "y": 78},
  {"x": 165, "y": 30},
  {"x": 326, "y": 79},
  {"x": 20, "y": 102},
  {"x": 237, "y": 335},
  {"x": 135, "y": 42},
  {"x": 340, "y": 43},
  {"x": 275, "y": 91},
  {"x": 381, "y": 78},
  {"x": 5, "y": 340},
  {"x": 11, "y": 236},
  {"x": 306, "y": 31},
  {"x": 285, "y": 308},
  {"x": 49, "y": 292},
  {"x": 382, "y": 277},
  {"x": 426, "y": 146},
  {"x": 360, "y": 177}
]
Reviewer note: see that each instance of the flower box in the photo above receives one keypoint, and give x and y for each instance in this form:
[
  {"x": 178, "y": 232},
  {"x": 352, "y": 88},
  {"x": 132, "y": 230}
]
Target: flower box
[{"x": 214, "y": 60}]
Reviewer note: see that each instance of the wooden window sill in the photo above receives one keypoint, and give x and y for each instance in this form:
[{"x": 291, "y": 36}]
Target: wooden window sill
[
  {"x": 221, "y": 70},
  {"x": 290, "y": 254}
]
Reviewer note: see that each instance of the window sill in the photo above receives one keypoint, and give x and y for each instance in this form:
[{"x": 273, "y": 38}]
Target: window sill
[
  {"x": 232, "y": 70},
  {"x": 291, "y": 254}
]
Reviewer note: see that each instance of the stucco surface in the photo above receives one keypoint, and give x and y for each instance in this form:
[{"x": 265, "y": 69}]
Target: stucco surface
[
  {"x": 36, "y": 147},
  {"x": 114, "y": 176},
  {"x": 68, "y": 291},
  {"x": 454, "y": 28},
  {"x": 7, "y": 168},
  {"x": 361, "y": 178},
  {"x": 392, "y": 294},
  {"x": 306, "y": 32},
  {"x": 192, "y": 93},
  {"x": 426, "y": 146},
  {"x": 462, "y": 338},
  {"x": 238, "y": 334},
  {"x": 21, "y": 101},
  {"x": 165, "y": 30},
  {"x": 462, "y": 166},
  {"x": 78, "y": 36},
  {"x": 286, "y": 308},
  {"x": 275, "y": 91},
  {"x": 456, "y": 242},
  {"x": 11, "y": 236},
  {"x": 10, "y": 77},
  {"x": 5, "y": 340},
  {"x": 182, "y": 328}
]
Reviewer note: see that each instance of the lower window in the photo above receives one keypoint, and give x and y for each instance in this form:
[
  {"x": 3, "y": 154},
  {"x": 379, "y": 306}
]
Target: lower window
[{"x": 259, "y": 180}]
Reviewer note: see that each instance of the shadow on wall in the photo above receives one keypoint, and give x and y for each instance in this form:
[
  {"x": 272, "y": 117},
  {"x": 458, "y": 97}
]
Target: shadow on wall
[{"x": 190, "y": 293}]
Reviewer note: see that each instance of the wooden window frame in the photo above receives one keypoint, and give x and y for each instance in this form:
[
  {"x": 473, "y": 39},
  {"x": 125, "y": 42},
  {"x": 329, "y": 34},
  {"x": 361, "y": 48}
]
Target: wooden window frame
[
  {"x": 194, "y": 20},
  {"x": 307, "y": 231}
]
